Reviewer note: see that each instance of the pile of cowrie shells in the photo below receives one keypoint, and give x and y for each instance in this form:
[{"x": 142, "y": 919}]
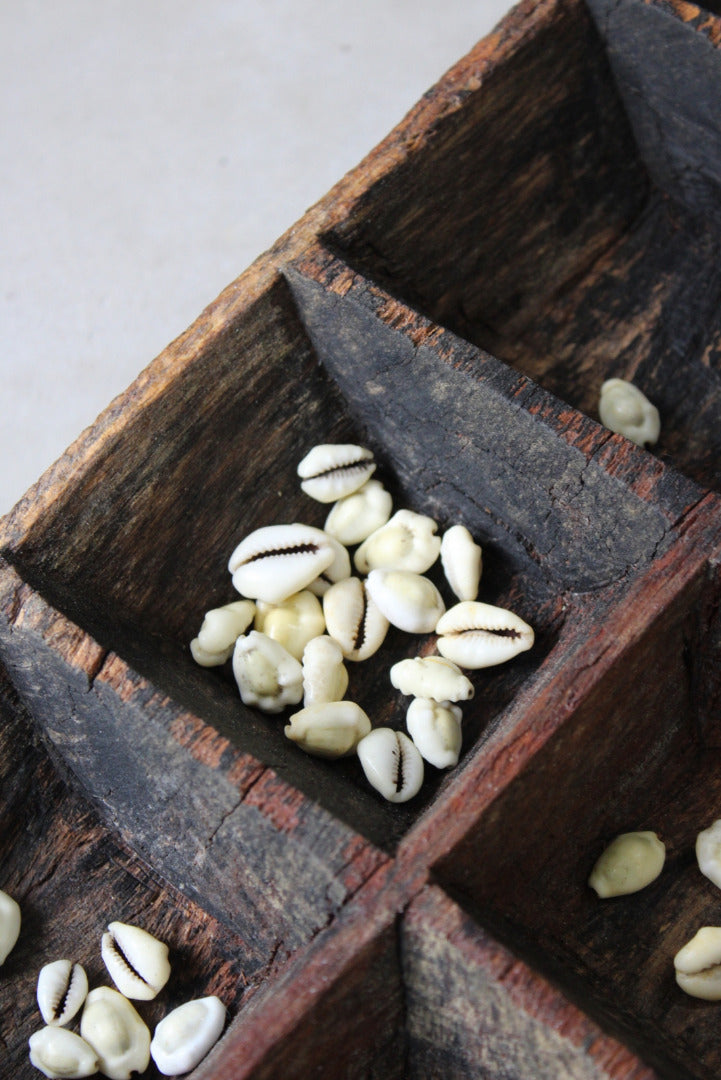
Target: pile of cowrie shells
[
  {"x": 310, "y": 615},
  {"x": 113, "y": 1038}
]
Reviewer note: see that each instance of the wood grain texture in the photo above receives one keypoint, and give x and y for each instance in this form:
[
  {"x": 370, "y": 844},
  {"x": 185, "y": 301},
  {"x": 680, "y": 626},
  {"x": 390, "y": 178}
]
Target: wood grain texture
[
  {"x": 667, "y": 66},
  {"x": 71, "y": 876},
  {"x": 473, "y": 1009},
  {"x": 512, "y": 208}
]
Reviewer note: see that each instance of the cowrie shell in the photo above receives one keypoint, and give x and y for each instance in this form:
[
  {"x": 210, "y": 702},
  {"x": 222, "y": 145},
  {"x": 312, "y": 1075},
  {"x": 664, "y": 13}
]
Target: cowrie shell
[
  {"x": 476, "y": 635},
  {"x": 338, "y": 570},
  {"x": 267, "y": 676},
  {"x": 331, "y": 729},
  {"x": 219, "y": 631},
  {"x": 353, "y": 619},
  {"x": 698, "y": 964},
  {"x": 625, "y": 409},
  {"x": 431, "y": 677},
  {"x": 356, "y": 516},
  {"x": 406, "y": 542},
  {"x": 708, "y": 852},
  {"x": 10, "y": 919},
  {"x": 137, "y": 962},
  {"x": 462, "y": 561},
  {"x": 435, "y": 728},
  {"x": 408, "y": 600},
  {"x": 629, "y": 863},
  {"x": 292, "y": 623},
  {"x": 57, "y": 1052},
  {"x": 392, "y": 764},
  {"x": 331, "y": 470},
  {"x": 276, "y": 561},
  {"x": 112, "y": 1027},
  {"x": 325, "y": 677},
  {"x": 62, "y": 989},
  {"x": 183, "y": 1037}
]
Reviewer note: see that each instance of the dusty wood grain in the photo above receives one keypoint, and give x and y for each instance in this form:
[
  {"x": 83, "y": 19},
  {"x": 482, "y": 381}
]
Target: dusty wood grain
[
  {"x": 473, "y": 1009},
  {"x": 71, "y": 876}
]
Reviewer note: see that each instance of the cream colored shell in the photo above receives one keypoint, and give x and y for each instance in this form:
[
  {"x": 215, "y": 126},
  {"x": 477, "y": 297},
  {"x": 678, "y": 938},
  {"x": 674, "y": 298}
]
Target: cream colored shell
[
  {"x": 184, "y": 1036},
  {"x": 629, "y": 863},
  {"x": 356, "y": 516},
  {"x": 137, "y": 962},
  {"x": 406, "y": 542},
  {"x": 625, "y": 409},
  {"x": 10, "y": 919},
  {"x": 117, "y": 1034},
  {"x": 292, "y": 623},
  {"x": 409, "y": 601},
  {"x": 698, "y": 964},
  {"x": 267, "y": 676},
  {"x": 59, "y": 1053},
  {"x": 331, "y": 729}
]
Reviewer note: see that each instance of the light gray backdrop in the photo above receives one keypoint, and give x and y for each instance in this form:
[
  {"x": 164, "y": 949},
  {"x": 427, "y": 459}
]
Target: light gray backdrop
[{"x": 151, "y": 149}]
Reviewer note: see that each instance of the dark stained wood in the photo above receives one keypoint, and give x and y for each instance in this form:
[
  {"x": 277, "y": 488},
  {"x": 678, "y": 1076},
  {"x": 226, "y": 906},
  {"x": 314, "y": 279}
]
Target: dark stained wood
[
  {"x": 473, "y": 1009},
  {"x": 665, "y": 59},
  {"x": 71, "y": 876},
  {"x": 454, "y": 303}
]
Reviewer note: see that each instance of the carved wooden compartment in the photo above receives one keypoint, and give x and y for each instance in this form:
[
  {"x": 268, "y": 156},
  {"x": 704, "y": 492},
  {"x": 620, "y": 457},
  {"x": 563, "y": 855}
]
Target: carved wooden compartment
[{"x": 454, "y": 303}]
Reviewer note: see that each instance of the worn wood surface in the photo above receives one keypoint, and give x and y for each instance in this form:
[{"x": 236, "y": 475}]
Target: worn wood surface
[
  {"x": 666, "y": 63},
  {"x": 513, "y": 208},
  {"x": 473, "y": 1009},
  {"x": 71, "y": 876}
]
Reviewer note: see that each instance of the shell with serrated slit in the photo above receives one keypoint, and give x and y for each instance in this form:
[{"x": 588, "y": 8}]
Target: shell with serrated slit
[
  {"x": 276, "y": 561},
  {"x": 137, "y": 962},
  {"x": 62, "y": 989},
  {"x": 331, "y": 471},
  {"x": 392, "y": 764},
  {"x": 353, "y": 619},
  {"x": 476, "y": 635}
]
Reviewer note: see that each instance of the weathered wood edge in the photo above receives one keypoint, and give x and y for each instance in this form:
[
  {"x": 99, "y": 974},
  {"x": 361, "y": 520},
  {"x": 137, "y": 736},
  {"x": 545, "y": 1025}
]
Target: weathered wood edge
[
  {"x": 593, "y": 640},
  {"x": 666, "y": 62},
  {"x": 214, "y": 821},
  {"x": 404, "y": 141}
]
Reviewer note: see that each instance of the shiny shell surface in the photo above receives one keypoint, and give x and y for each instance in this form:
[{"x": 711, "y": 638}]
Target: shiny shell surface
[
  {"x": 331, "y": 471},
  {"x": 183, "y": 1037},
  {"x": 276, "y": 561}
]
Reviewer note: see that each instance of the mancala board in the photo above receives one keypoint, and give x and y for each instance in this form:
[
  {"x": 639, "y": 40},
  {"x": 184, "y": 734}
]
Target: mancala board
[{"x": 546, "y": 217}]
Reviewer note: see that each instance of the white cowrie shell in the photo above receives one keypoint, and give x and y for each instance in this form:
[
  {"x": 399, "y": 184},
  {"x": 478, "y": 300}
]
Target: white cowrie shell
[
  {"x": 62, "y": 989},
  {"x": 698, "y": 964},
  {"x": 462, "y": 561},
  {"x": 276, "y": 561},
  {"x": 476, "y": 635},
  {"x": 629, "y": 863},
  {"x": 219, "y": 632},
  {"x": 625, "y": 409},
  {"x": 392, "y": 764},
  {"x": 268, "y": 677},
  {"x": 57, "y": 1052},
  {"x": 408, "y": 600},
  {"x": 293, "y": 623},
  {"x": 325, "y": 677},
  {"x": 10, "y": 919},
  {"x": 435, "y": 728},
  {"x": 112, "y": 1027},
  {"x": 431, "y": 677},
  {"x": 183, "y": 1037},
  {"x": 331, "y": 729},
  {"x": 331, "y": 470},
  {"x": 137, "y": 962},
  {"x": 708, "y": 852},
  {"x": 406, "y": 542},
  {"x": 338, "y": 570},
  {"x": 356, "y": 516},
  {"x": 353, "y": 619}
]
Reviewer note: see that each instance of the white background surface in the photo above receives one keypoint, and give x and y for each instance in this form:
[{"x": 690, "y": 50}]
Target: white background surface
[{"x": 151, "y": 149}]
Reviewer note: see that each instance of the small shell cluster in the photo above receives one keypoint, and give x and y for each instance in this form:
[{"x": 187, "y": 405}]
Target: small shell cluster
[
  {"x": 634, "y": 860},
  {"x": 308, "y": 611},
  {"x": 113, "y": 1039}
]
